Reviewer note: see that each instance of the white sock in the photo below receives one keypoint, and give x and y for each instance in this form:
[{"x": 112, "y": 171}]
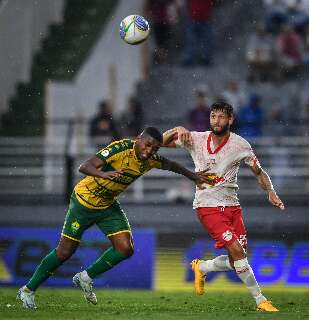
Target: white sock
[
  {"x": 246, "y": 275},
  {"x": 220, "y": 263},
  {"x": 84, "y": 275}
]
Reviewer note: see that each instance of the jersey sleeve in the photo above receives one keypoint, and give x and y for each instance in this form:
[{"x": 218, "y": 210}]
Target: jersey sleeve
[
  {"x": 156, "y": 161},
  {"x": 113, "y": 150},
  {"x": 180, "y": 144},
  {"x": 248, "y": 155},
  {"x": 105, "y": 154}
]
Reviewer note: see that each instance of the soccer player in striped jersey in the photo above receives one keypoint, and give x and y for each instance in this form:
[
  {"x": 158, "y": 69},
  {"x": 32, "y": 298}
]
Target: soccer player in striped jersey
[
  {"x": 94, "y": 201},
  {"x": 220, "y": 152}
]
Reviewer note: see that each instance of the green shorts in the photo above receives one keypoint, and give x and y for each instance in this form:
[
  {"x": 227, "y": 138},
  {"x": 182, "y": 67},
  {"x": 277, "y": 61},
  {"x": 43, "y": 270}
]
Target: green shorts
[{"x": 79, "y": 218}]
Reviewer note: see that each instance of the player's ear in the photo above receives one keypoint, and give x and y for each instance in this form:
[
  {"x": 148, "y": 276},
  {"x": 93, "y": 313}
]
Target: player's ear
[{"x": 231, "y": 120}]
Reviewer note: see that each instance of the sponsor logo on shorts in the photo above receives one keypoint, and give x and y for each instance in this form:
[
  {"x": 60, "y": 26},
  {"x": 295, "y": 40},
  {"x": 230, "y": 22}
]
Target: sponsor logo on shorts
[
  {"x": 75, "y": 226},
  {"x": 105, "y": 153},
  {"x": 227, "y": 235}
]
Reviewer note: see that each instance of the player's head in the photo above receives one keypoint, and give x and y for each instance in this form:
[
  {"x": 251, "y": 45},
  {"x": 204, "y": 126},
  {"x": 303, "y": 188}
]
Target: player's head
[
  {"x": 221, "y": 117},
  {"x": 148, "y": 143}
]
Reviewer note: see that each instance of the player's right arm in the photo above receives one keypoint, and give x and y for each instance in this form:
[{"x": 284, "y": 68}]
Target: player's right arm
[
  {"x": 261, "y": 175},
  {"x": 180, "y": 134},
  {"x": 265, "y": 182},
  {"x": 91, "y": 168}
]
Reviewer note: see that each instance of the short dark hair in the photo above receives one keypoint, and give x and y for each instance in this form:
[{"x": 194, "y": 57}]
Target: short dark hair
[
  {"x": 154, "y": 133},
  {"x": 222, "y": 106}
]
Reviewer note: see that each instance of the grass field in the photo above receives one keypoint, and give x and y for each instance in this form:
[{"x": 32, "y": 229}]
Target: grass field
[{"x": 115, "y": 304}]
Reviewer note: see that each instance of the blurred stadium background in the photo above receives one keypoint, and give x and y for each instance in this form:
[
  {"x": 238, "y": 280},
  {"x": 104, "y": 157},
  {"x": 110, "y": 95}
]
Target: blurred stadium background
[{"x": 61, "y": 58}]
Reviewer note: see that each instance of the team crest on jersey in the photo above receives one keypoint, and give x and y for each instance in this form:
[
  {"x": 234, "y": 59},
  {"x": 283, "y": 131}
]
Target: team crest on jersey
[
  {"x": 75, "y": 226},
  {"x": 105, "y": 153},
  {"x": 227, "y": 235}
]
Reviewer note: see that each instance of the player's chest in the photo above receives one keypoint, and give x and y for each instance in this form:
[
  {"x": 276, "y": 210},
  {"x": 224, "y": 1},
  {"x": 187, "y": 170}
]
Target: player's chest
[{"x": 223, "y": 158}]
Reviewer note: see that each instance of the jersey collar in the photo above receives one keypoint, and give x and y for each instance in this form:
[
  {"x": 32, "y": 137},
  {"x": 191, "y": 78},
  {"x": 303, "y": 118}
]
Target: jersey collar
[{"x": 220, "y": 146}]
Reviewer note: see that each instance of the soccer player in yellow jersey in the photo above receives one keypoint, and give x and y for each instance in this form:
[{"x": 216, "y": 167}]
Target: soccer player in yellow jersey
[{"x": 94, "y": 201}]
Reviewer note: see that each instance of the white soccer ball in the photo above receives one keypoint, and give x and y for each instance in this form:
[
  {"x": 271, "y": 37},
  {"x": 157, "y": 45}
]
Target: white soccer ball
[{"x": 134, "y": 29}]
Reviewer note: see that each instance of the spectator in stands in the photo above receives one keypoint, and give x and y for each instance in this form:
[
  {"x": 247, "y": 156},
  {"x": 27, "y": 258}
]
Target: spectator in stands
[
  {"x": 306, "y": 51},
  {"x": 303, "y": 114},
  {"x": 250, "y": 118},
  {"x": 289, "y": 49},
  {"x": 259, "y": 55},
  {"x": 199, "y": 39},
  {"x": 234, "y": 95},
  {"x": 297, "y": 17},
  {"x": 276, "y": 15},
  {"x": 199, "y": 115},
  {"x": 162, "y": 15},
  {"x": 103, "y": 128},
  {"x": 132, "y": 118}
]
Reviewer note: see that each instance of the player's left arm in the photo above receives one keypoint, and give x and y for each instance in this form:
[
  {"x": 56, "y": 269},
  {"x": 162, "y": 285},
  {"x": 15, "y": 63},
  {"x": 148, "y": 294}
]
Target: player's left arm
[
  {"x": 199, "y": 178},
  {"x": 265, "y": 182}
]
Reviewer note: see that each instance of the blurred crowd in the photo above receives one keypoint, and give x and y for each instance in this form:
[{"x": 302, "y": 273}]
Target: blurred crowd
[
  {"x": 255, "y": 114},
  {"x": 104, "y": 127},
  {"x": 166, "y": 18},
  {"x": 278, "y": 49}
]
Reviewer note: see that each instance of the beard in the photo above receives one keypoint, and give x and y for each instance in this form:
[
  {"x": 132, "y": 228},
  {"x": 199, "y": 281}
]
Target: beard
[{"x": 222, "y": 132}]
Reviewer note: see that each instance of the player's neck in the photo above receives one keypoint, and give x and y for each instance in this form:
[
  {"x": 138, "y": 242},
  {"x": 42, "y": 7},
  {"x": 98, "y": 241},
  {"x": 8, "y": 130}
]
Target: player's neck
[{"x": 217, "y": 139}]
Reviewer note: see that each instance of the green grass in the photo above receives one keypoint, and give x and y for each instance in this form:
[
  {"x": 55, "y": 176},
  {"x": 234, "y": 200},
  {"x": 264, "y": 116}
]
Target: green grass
[{"x": 68, "y": 304}]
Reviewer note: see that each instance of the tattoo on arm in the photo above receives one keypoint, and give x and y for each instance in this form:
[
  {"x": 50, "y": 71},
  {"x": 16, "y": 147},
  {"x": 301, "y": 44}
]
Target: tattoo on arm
[{"x": 263, "y": 178}]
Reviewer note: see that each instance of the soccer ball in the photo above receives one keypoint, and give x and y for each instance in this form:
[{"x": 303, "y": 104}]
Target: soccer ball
[{"x": 134, "y": 29}]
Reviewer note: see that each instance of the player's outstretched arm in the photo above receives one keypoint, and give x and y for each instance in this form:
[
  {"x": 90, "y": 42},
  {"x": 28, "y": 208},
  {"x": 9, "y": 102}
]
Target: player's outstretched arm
[
  {"x": 90, "y": 168},
  {"x": 266, "y": 184},
  {"x": 177, "y": 133},
  {"x": 199, "y": 178}
]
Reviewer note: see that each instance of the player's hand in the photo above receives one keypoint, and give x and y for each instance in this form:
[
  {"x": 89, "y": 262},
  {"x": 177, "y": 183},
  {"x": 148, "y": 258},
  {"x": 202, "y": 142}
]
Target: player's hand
[
  {"x": 184, "y": 136},
  {"x": 205, "y": 177},
  {"x": 111, "y": 174},
  {"x": 275, "y": 200}
]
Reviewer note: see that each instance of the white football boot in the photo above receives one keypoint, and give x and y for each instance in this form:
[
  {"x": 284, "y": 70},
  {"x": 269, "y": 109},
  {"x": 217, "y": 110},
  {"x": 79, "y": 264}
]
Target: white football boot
[
  {"x": 86, "y": 286},
  {"x": 27, "y": 297}
]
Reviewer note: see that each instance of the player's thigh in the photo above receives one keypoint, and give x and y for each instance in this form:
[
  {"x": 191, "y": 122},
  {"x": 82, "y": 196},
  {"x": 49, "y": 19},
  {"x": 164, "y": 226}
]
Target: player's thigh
[
  {"x": 217, "y": 225},
  {"x": 239, "y": 226},
  {"x": 77, "y": 220},
  {"x": 113, "y": 221}
]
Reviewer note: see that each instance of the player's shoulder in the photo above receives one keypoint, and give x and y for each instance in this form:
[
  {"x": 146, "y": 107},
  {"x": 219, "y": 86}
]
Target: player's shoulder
[
  {"x": 116, "y": 148},
  {"x": 197, "y": 135},
  {"x": 122, "y": 144},
  {"x": 241, "y": 141}
]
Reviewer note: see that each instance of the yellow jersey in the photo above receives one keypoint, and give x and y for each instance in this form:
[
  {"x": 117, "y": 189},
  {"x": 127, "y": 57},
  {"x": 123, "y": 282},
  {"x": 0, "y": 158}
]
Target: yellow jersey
[{"x": 98, "y": 193}]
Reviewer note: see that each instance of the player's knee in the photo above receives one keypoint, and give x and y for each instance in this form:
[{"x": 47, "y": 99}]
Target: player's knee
[
  {"x": 236, "y": 251},
  {"x": 240, "y": 252},
  {"x": 126, "y": 249},
  {"x": 64, "y": 253}
]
